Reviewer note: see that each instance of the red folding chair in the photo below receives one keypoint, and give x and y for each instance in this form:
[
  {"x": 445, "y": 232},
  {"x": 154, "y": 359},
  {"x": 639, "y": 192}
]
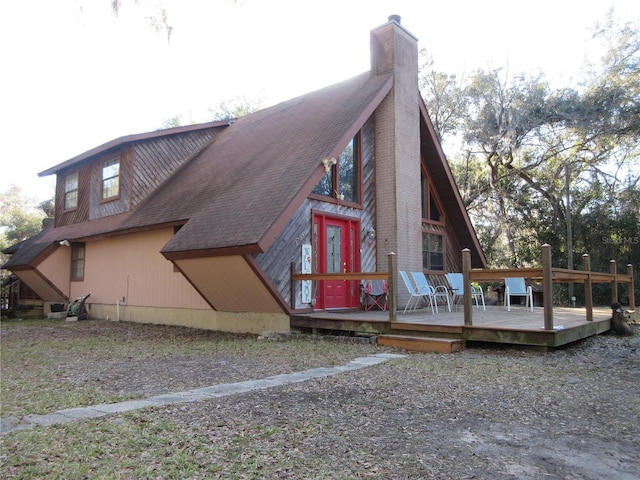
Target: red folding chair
[{"x": 375, "y": 295}]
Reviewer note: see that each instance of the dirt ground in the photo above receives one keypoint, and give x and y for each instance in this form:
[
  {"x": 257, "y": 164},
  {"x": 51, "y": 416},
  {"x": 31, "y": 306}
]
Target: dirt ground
[{"x": 478, "y": 414}]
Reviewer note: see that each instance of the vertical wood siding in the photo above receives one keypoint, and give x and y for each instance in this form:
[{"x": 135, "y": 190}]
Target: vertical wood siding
[
  {"x": 287, "y": 248},
  {"x": 143, "y": 168}
]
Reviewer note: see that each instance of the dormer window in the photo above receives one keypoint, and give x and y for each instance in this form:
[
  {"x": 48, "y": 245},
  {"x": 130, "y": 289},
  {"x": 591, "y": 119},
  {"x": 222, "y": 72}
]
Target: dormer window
[
  {"x": 342, "y": 181},
  {"x": 71, "y": 191},
  {"x": 111, "y": 179}
]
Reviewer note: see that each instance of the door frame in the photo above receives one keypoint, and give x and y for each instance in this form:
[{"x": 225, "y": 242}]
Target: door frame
[{"x": 319, "y": 220}]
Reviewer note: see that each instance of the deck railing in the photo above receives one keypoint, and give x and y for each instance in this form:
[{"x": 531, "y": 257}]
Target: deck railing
[{"x": 547, "y": 274}]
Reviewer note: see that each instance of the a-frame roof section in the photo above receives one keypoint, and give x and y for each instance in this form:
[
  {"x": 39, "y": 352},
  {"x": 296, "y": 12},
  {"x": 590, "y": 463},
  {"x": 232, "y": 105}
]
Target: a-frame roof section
[
  {"x": 130, "y": 139},
  {"x": 240, "y": 190},
  {"x": 448, "y": 190}
]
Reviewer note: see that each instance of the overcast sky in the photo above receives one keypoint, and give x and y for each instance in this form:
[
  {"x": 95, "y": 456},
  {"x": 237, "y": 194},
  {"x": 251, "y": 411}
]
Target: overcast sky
[{"x": 74, "y": 76}]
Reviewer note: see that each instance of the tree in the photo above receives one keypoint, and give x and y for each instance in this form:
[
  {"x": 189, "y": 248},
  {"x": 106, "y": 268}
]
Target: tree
[
  {"x": 20, "y": 217},
  {"x": 537, "y": 165}
]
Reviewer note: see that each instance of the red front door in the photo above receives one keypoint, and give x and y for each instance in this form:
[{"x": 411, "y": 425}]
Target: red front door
[{"x": 337, "y": 252}]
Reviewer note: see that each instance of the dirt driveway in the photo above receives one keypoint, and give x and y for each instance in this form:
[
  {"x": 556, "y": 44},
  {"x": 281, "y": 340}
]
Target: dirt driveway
[{"x": 481, "y": 413}]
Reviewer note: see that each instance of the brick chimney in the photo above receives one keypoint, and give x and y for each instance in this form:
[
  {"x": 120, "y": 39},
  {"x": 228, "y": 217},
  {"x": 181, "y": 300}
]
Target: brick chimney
[{"x": 397, "y": 148}]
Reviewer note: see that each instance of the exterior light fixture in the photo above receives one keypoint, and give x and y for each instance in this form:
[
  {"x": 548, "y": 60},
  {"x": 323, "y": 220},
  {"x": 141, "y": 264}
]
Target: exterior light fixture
[
  {"x": 370, "y": 234},
  {"x": 328, "y": 163},
  {"x": 64, "y": 243}
]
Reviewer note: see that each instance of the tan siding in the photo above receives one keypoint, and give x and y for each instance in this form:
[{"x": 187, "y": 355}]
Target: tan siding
[
  {"x": 39, "y": 285},
  {"x": 57, "y": 269},
  {"x": 131, "y": 267},
  {"x": 229, "y": 284}
]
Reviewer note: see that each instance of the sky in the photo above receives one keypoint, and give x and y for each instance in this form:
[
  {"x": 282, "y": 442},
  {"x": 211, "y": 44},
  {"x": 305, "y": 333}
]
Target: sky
[{"x": 74, "y": 76}]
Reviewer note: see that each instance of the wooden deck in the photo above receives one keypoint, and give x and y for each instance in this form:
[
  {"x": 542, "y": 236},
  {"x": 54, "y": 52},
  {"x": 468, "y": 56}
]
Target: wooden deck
[{"x": 495, "y": 325}]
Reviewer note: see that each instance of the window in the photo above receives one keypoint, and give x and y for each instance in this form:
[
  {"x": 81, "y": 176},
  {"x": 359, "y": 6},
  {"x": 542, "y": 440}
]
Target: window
[
  {"x": 343, "y": 180},
  {"x": 110, "y": 178},
  {"x": 71, "y": 191},
  {"x": 77, "y": 261},
  {"x": 432, "y": 251},
  {"x": 430, "y": 209}
]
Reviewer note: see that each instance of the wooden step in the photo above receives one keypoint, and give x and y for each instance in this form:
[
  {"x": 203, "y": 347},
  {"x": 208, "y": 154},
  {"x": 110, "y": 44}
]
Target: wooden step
[{"x": 422, "y": 344}]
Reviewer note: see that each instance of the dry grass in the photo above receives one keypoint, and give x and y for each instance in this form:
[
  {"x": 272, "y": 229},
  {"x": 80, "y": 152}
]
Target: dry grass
[{"x": 489, "y": 414}]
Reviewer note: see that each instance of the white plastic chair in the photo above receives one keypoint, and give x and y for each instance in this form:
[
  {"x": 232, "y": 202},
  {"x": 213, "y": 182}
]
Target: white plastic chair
[
  {"x": 423, "y": 286},
  {"x": 456, "y": 282},
  {"x": 516, "y": 287}
]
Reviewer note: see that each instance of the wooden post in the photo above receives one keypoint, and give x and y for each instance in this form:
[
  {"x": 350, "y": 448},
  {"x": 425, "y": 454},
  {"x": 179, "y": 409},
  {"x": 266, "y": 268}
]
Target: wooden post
[
  {"x": 614, "y": 282},
  {"x": 588, "y": 291},
  {"x": 632, "y": 293},
  {"x": 466, "y": 299},
  {"x": 547, "y": 286},
  {"x": 391, "y": 287}
]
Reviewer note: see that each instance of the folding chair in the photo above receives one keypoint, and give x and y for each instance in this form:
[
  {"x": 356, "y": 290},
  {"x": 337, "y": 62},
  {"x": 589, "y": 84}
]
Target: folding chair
[
  {"x": 375, "y": 294},
  {"x": 434, "y": 293},
  {"x": 516, "y": 287}
]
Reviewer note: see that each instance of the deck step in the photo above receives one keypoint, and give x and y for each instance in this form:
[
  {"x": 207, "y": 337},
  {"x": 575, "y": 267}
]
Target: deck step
[{"x": 422, "y": 344}]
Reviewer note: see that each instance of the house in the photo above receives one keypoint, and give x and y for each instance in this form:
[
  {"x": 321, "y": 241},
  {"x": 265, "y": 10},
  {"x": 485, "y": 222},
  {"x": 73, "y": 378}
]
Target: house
[{"x": 203, "y": 225}]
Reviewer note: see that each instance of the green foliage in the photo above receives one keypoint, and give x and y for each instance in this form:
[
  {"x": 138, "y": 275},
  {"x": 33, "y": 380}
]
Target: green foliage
[
  {"x": 533, "y": 161},
  {"x": 20, "y": 216}
]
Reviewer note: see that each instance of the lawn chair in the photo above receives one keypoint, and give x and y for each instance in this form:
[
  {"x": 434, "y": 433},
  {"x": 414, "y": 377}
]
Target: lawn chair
[
  {"x": 414, "y": 293},
  {"x": 456, "y": 282},
  {"x": 375, "y": 294},
  {"x": 516, "y": 287},
  {"x": 423, "y": 286}
]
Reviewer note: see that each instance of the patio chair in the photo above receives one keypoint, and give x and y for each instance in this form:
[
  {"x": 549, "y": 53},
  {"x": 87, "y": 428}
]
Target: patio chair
[
  {"x": 516, "y": 287},
  {"x": 374, "y": 294},
  {"x": 414, "y": 293},
  {"x": 423, "y": 286},
  {"x": 456, "y": 282}
]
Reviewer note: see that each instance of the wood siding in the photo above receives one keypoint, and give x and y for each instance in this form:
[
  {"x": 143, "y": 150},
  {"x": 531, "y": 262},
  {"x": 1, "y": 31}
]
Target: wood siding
[
  {"x": 130, "y": 269},
  {"x": 287, "y": 248},
  {"x": 143, "y": 168},
  {"x": 157, "y": 159}
]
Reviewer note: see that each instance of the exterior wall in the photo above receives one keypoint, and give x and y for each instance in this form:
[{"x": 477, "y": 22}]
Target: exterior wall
[
  {"x": 398, "y": 197},
  {"x": 130, "y": 269},
  {"x": 287, "y": 248},
  {"x": 57, "y": 269},
  {"x": 255, "y": 323},
  {"x": 143, "y": 167}
]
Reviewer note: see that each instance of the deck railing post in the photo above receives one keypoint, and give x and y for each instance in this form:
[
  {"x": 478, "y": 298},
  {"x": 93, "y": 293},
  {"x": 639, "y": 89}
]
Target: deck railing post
[
  {"x": 391, "y": 287},
  {"x": 632, "y": 293},
  {"x": 588, "y": 292},
  {"x": 466, "y": 298},
  {"x": 547, "y": 286},
  {"x": 614, "y": 282}
]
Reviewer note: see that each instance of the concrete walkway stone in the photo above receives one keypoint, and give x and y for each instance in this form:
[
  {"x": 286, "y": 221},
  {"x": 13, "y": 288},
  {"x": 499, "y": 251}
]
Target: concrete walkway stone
[{"x": 13, "y": 424}]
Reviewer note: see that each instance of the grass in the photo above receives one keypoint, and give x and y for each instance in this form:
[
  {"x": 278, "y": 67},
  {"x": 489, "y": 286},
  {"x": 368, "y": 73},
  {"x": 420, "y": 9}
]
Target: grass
[{"x": 49, "y": 365}]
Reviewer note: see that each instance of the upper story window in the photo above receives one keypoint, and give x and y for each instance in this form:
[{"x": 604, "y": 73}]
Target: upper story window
[
  {"x": 342, "y": 181},
  {"x": 110, "y": 178},
  {"x": 77, "y": 261},
  {"x": 431, "y": 211},
  {"x": 71, "y": 191}
]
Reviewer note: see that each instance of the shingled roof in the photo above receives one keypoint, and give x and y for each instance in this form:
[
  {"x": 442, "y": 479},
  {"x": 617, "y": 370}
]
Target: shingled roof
[{"x": 266, "y": 163}]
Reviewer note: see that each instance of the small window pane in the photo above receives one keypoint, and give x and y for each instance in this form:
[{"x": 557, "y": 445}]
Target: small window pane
[
  {"x": 77, "y": 261},
  {"x": 348, "y": 168},
  {"x": 111, "y": 178},
  {"x": 71, "y": 191},
  {"x": 432, "y": 252}
]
